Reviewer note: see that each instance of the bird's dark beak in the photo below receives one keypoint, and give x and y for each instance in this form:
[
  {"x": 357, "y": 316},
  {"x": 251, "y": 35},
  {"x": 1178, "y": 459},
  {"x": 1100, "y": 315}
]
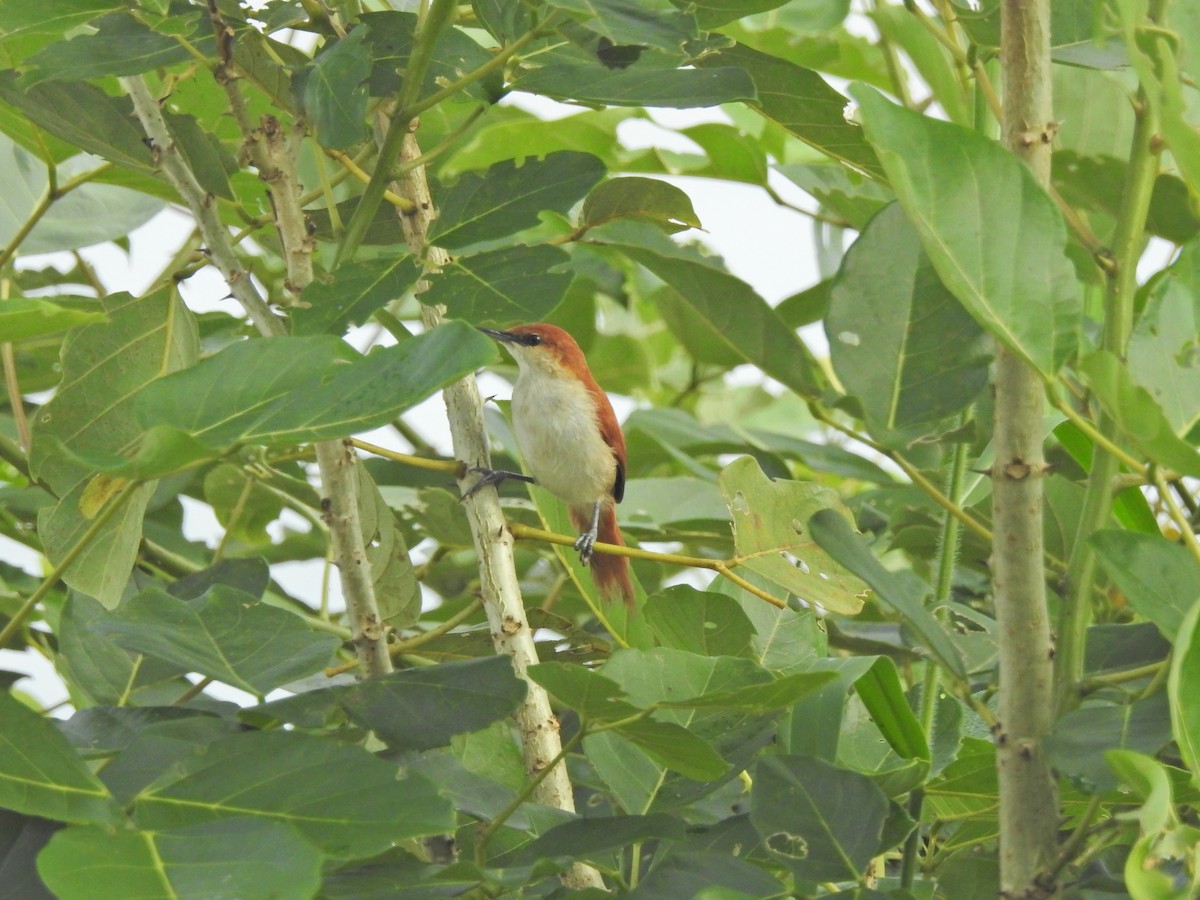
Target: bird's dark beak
[{"x": 505, "y": 337}]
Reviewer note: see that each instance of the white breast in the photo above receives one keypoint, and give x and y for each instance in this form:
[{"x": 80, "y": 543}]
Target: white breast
[{"x": 555, "y": 422}]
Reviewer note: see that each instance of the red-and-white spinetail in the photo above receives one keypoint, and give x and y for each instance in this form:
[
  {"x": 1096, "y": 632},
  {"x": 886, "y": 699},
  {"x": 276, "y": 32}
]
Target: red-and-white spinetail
[{"x": 571, "y": 442}]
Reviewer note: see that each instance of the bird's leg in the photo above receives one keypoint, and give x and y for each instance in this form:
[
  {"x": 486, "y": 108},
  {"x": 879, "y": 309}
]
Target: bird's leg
[
  {"x": 587, "y": 540},
  {"x": 493, "y": 477}
]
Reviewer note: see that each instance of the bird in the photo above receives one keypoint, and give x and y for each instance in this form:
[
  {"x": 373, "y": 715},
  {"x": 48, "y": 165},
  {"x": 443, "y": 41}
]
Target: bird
[{"x": 571, "y": 442}]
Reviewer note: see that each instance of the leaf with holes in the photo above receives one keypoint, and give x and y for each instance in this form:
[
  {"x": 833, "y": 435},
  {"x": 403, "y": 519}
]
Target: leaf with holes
[{"x": 770, "y": 538}]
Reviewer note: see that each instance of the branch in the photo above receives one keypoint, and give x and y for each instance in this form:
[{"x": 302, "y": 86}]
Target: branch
[
  {"x": 335, "y": 460},
  {"x": 1118, "y": 323},
  {"x": 202, "y": 205},
  {"x": 511, "y": 635},
  {"x": 723, "y": 567},
  {"x": 1028, "y": 791}
]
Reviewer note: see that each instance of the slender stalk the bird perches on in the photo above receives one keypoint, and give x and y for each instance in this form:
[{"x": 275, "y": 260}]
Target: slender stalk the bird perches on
[{"x": 569, "y": 437}]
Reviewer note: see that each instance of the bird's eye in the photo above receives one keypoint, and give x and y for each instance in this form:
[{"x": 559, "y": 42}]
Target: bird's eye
[{"x": 533, "y": 340}]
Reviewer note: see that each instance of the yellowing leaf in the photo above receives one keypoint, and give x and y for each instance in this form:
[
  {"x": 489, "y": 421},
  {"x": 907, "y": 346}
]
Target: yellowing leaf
[{"x": 771, "y": 538}]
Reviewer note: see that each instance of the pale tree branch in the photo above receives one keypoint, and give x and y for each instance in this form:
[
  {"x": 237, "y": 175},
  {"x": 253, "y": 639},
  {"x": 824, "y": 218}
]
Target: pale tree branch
[
  {"x": 511, "y": 635},
  {"x": 335, "y": 459},
  {"x": 202, "y": 205},
  {"x": 1028, "y": 791}
]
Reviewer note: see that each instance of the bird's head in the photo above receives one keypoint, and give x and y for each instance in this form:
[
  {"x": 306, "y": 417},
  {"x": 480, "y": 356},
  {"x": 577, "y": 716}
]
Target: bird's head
[{"x": 541, "y": 348}]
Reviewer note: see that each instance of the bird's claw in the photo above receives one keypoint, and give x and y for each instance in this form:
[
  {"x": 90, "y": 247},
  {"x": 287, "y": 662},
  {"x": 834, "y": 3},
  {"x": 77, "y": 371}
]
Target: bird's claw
[
  {"x": 584, "y": 545},
  {"x": 491, "y": 477}
]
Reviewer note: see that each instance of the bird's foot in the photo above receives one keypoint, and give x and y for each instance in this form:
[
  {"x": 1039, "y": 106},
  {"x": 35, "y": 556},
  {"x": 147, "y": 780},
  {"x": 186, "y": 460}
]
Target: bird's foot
[
  {"x": 584, "y": 545},
  {"x": 492, "y": 478}
]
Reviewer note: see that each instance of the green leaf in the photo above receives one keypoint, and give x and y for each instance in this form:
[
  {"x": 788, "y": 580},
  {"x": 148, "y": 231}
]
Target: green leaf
[
  {"x": 640, "y": 85},
  {"x": 769, "y": 537},
  {"x": 589, "y": 693},
  {"x": 1160, "y": 579},
  {"x": 583, "y": 838},
  {"x": 627, "y": 22},
  {"x": 1081, "y": 739},
  {"x": 648, "y": 199},
  {"x": 843, "y": 191},
  {"x": 361, "y": 812},
  {"x": 706, "y": 875},
  {"x": 294, "y": 389},
  {"x": 90, "y": 214},
  {"x": 899, "y": 341},
  {"x": 822, "y": 822},
  {"x": 1183, "y": 691},
  {"x": 882, "y": 694},
  {"x": 226, "y": 634},
  {"x": 902, "y": 592},
  {"x": 335, "y": 91},
  {"x": 802, "y": 102},
  {"x": 699, "y": 622},
  {"x": 908, "y": 32},
  {"x": 508, "y": 198},
  {"x": 1164, "y": 351},
  {"x": 1136, "y": 413},
  {"x": 234, "y": 859},
  {"x": 712, "y": 14},
  {"x": 97, "y": 671},
  {"x": 390, "y": 42},
  {"x": 51, "y": 16},
  {"x": 352, "y": 293},
  {"x": 242, "y": 503},
  {"x": 725, "y": 307},
  {"x": 661, "y": 676},
  {"x": 102, "y": 569},
  {"x": 121, "y": 45},
  {"x": 26, "y": 317},
  {"x": 392, "y": 574},
  {"x": 104, "y": 365},
  {"x": 757, "y": 698},
  {"x": 1149, "y": 780},
  {"x": 41, "y": 775},
  {"x": 85, "y": 116},
  {"x": 420, "y": 709},
  {"x": 977, "y": 208},
  {"x": 510, "y": 133},
  {"x": 676, "y": 748},
  {"x": 511, "y": 284}
]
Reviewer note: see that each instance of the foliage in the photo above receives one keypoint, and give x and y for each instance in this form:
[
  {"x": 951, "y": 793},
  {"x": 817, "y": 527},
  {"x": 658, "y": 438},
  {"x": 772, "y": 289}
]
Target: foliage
[{"x": 834, "y": 744}]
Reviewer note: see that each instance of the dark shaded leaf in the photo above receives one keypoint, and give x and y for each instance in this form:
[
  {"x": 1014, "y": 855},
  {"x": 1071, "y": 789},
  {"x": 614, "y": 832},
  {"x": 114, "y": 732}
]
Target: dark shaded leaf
[
  {"x": 351, "y": 294},
  {"x": 508, "y": 197},
  {"x": 42, "y": 775},
  {"x": 640, "y": 85},
  {"x": 423, "y": 708},
  {"x": 225, "y": 634},
  {"x": 899, "y": 341},
  {"x": 233, "y": 859},
  {"x": 288, "y": 390},
  {"x": 511, "y": 284},
  {"x": 359, "y": 813},
  {"x": 802, "y": 102},
  {"x": 335, "y": 91},
  {"x": 977, "y": 207},
  {"x": 903, "y": 594},
  {"x": 824, "y": 823}
]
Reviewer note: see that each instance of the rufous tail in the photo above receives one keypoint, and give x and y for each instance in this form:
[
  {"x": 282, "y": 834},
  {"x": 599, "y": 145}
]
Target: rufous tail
[{"x": 611, "y": 573}]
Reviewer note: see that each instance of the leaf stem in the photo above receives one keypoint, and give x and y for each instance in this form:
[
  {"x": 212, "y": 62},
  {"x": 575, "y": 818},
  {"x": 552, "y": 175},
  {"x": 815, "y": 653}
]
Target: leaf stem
[
  {"x": 488, "y": 832},
  {"x": 438, "y": 18},
  {"x": 1076, "y": 610},
  {"x": 400, "y": 647},
  {"x": 98, "y": 525},
  {"x": 723, "y": 567}
]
